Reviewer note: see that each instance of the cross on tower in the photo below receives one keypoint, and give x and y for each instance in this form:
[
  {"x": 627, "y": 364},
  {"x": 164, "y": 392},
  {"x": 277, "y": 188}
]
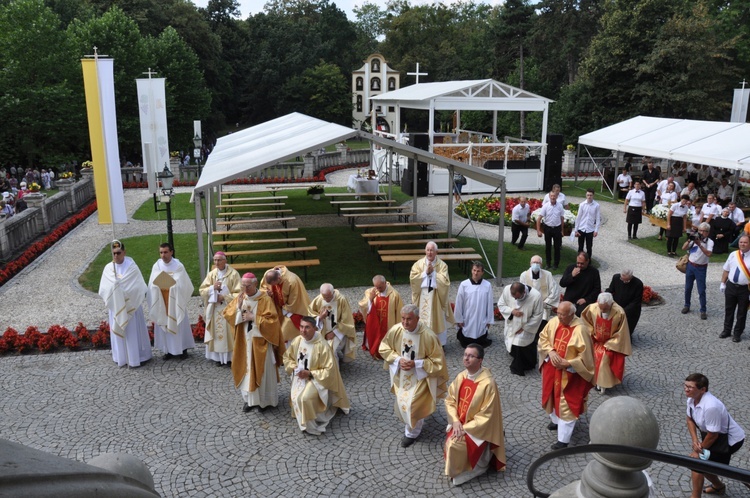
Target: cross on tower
[
  {"x": 417, "y": 74},
  {"x": 743, "y": 83}
]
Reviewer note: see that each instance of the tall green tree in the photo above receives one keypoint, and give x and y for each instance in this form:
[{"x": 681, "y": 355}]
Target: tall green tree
[
  {"x": 322, "y": 92},
  {"x": 38, "y": 102}
]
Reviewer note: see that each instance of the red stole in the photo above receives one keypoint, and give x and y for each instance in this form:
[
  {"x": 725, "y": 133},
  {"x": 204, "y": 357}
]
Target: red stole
[
  {"x": 603, "y": 333},
  {"x": 278, "y": 299},
  {"x": 376, "y": 324},
  {"x": 576, "y": 388},
  {"x": 465, "y": 396}
]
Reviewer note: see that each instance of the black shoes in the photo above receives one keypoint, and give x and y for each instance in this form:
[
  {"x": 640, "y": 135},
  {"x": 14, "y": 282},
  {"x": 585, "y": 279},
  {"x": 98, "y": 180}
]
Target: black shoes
[
  {"x": 552, "y": 426},
  {"x": 724, "y": 335},
  {"x": 168, "y": 356},
  {"x": 184, "y": 355},
  {"x": 246, "y": 408},
  {"x": 407, "y": 441},
  {"x": 558, "y": 446}
]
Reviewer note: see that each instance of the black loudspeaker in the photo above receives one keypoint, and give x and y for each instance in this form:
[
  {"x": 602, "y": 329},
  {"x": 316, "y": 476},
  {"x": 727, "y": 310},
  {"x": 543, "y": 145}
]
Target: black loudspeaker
[
  {"x": 420, "y": 141},
  {"x": 553, "y": 161}
]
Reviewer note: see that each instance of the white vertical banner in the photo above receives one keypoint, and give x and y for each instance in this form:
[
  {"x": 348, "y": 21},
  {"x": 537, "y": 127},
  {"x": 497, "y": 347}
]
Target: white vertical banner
[
  {"x": 152, "y": 105},
  {"x": 99, "y": 86},
  {"x": 739, "y": 105}
]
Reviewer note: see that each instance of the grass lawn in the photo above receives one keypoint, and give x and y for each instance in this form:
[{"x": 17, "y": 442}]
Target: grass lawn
[
  {"x": 145, "y": 251},
  {"x": 579, "y": 190},
  {"x": 299, "y": 202},
  {"x": 660, "y": 247}
]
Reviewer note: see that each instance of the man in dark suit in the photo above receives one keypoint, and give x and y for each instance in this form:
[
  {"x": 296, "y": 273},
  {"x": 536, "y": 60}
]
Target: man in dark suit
[
  {"x": 582, "y": 283},
  {"x": 627, "y": 291}
]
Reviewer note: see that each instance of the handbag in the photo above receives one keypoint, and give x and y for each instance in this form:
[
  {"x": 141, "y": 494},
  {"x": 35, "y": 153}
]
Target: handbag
[
  {"x": 462, "y": 180},
  {"x": 682, "y": 264}
]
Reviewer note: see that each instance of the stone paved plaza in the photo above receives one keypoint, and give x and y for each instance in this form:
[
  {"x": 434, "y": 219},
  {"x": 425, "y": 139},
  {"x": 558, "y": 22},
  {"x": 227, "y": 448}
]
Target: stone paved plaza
[{"x": 184, "y": 418}]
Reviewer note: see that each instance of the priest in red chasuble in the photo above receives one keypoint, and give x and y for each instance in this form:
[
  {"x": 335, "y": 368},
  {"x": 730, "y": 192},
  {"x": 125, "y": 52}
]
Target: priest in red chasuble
[
  {"x": 567, "y": 366},
  {"x": 475, "y": 440},
  {"x": 611, "y": 340},
  {"x": 291, "y": 298},
  {"x": 381, "y": 308}
]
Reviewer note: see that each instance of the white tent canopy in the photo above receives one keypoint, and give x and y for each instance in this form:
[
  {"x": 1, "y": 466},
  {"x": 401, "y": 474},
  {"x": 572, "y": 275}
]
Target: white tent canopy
[{"x": 715, "y": 143}]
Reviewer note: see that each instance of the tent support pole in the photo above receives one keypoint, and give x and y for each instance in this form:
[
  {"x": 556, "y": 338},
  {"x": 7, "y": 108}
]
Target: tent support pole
[
  {"x": 199, "y": 233},
  {"x": 500, "y": 239},
  {"x": 451, "y": 186},
  {"x": 414, "y": 187},
  {"x": 390, "y": 173}
]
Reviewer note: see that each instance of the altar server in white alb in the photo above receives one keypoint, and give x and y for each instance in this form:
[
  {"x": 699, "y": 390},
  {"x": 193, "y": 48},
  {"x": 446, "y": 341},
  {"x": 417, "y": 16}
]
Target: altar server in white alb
[
  {"x": 123, "y": 289},
  {"x": 474, "y": 308},
  {"x": 221, "y": 285},
  {"x": 523, "y": 309},
  {"x": 170, "y": 288}
]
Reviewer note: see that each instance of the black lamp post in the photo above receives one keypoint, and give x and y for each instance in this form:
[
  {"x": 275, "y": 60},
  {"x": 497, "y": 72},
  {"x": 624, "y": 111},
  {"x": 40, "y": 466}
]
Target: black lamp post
[
  {"x": 167, "y": 181},
  {"x": 198, "y": 142}
]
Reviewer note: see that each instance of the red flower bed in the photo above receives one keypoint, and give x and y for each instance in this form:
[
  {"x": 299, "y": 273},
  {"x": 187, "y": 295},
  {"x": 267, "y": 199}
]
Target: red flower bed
[{"x": 37, "y": 248}]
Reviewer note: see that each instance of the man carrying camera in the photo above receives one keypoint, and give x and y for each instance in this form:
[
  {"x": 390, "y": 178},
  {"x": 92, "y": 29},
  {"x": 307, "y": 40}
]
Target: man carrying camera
[{"x": 699, "y": 248}]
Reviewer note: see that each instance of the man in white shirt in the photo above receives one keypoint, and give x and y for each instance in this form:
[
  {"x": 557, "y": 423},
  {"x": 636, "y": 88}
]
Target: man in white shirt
[
  {"x": 560, "y": 196},
  {"x": 553, "y": 215},
  {"x": 710, "y": 209},
  {"x": 737, "y": 216},
  {"x": 734, "y": 285},
  {"x": 699, "y": 248},
  {"x": 690, "y": 191},
  {"x": 519, "y": 222},
  {"x": 724, "y": 192},
  {"x": 624, "y": 182},
  {"x": 661, "y": 188},
  {"x": 588, "y": 222}
]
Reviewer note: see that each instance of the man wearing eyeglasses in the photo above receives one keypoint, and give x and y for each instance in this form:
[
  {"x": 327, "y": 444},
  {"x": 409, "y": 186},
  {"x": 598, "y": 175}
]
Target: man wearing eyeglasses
[
  {"x": 567, "y": 365},
  {"x": 221, "y": 285},
  {"x": 699, "y": 248},
  {"x": 416, "y": 362},
  {"x": 475, "y": 438},
  {"x": 123, "y": 289}
]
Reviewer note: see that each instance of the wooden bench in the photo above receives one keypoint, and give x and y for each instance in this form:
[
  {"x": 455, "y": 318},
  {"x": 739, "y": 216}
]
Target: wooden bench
[
  {"x": 402, "y": 216},
  {"x": 372, "y": 209},
  {"x": 275, "y": 188},
  {"x": 275, "y": 212},
  {"x": 283, "y": 221},
  {"x": 252, "y": 205},
  {"x": 283, "y": 231},
  {"x": 420, "y": 251},
  {"x": 412, "y": 233},
  {"x": 421, "y": 224},
  {"x": 289, "y": 241},
  {"x": 463, "y": 259},
  {"x": 267, "y": 265},
  {"x": 354, "y": 194},
  {"x": 253, "y": 199},
  {"x": 410, "y": 242},
  {"x": 276, "y": 250},
  {"x": 371, "y": 202}
]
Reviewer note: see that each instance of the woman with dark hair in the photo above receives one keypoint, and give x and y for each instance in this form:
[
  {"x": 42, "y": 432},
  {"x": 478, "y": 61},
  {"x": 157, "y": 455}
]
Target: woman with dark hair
[{"x": 720, "y": 435}]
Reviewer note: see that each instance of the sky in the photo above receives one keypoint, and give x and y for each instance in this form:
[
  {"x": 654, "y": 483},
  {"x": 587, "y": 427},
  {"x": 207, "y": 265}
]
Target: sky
[{"x": 250, "y": 7}]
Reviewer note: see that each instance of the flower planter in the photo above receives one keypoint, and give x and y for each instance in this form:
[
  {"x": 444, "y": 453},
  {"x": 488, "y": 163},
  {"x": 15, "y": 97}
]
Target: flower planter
[{"x": 316, "y": 197}]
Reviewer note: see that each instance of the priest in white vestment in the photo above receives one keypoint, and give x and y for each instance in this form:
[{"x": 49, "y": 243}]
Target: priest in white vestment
[
  {"x": 258, "y": 345},
  {"x": 430, "y": 285},
  {"x": 335, "y": 322},
  {"x": 221, "y": 285},
  {"x": 317, "y": 391},
  {"x": 522, "y": 309},
  {"x": 474, "y": 308},
  {"x": 123, "y": 289},
  {"x": 172, "y": 332},
  {"x": 545, "y": 283},
  {"x": 419, "y": 375}
]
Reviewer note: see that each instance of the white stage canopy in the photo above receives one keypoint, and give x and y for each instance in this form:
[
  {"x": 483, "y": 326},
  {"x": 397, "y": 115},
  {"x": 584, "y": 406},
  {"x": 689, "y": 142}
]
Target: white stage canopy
[{"x": 714, "y": 143}]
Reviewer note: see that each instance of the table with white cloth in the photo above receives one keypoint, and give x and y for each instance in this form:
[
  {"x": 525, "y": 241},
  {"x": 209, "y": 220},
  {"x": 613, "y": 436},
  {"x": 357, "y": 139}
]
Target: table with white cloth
[{"x": 362, "y": 185}]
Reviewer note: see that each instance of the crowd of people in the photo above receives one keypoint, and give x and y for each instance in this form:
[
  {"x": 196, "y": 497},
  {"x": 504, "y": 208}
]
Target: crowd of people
[{"x": 16, "y": 182}]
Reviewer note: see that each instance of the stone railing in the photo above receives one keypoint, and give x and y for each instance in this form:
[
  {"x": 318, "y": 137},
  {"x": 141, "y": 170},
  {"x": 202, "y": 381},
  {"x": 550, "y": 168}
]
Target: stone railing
[
  {"x": 42, "y": 215},
  {"x": 291, "y": 169}
]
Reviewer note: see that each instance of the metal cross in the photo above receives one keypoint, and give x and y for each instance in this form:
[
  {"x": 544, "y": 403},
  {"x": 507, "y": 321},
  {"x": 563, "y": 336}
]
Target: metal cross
[{"x": 417, "y": 74}]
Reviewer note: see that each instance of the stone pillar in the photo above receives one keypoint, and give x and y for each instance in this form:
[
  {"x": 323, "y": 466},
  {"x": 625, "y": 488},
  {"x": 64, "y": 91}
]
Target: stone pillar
[
  {"x": 625, "y": 421},
  {"x": 66, "y": 185},
  {"x": 341, "y": 149},
  {"x": 4, "y": 244},
  {"x": 174, "y": 166},
  {"x": 36, "y": 201},
  {"x": 569, "y": 161},
  {"x": 309, "y": 168},
  {"x": 87, "y": 173}
]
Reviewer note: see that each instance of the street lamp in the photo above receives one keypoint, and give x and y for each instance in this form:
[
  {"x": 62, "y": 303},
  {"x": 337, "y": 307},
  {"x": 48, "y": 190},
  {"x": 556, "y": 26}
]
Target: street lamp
[
  {"x": 197, "y": 152},
  {"x": 167, "y": 181}
]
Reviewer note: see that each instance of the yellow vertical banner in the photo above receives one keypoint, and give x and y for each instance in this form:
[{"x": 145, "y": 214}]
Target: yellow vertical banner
[{"x": 98, "y": 82}]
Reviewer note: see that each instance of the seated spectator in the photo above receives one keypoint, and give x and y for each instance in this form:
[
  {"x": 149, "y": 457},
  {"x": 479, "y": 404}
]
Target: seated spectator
[{"x": 690, "y": 191}]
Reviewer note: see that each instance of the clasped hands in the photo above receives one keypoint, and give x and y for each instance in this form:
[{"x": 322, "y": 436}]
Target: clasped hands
[
  {"x": 405, "y": 364},
  {"x": 558, "y": 361},
  {"x": 458, "y": 430}
]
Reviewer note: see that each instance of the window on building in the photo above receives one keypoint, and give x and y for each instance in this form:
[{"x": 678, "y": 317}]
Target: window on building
[
  {"x": 391, "y": 108},
  {"x": 375, "y": 84},
  {"x": 391, "y": 84},
  {"x": 360, "y": 84},
  {"x": 359, "y": 103},
  {"x": 375, "y": 65}
]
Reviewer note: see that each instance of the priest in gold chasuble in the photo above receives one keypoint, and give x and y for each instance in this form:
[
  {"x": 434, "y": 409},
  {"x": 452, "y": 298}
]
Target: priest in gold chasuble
[
  {"x": 335, "y": 322},
  {"x": 611, "y": 340},
  {"x": 221, "y": 285},
  {"x": 289, "y": 293},
  {"x": 567, "y": 365},
  {"x": 430, "y": 285},
  {"x": 416, "y": 363},
  {"x": 475, "y": 438}
]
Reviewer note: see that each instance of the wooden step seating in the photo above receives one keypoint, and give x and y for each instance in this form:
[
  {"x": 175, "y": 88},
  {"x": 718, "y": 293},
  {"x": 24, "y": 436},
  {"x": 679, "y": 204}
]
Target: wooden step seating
[
  {"x": 400, "y": 215},
  {"x": 371, "y": 202},
  {"x": 266, "y": 265},
  {"x": 288, "y": 241},
  {"x": 226, "y": 197},
  {"x": 282, "y": 231},
  {"x": 410, "y": 233},
  {"x": 293, "y": 250},
  {"x": 419, "y": 251},
  {"x": 255, "y": 221},
  {"x": 265, "y": 212},
  {"x": 462, "y": 258},
  {"x": 421, "y": 224},
  {"x": 250, "y": 205},
  {"x": 276, "y": 188},
  {"x": 354, "y": 194},
  {"x": 373, "y": 209},
  {"x": 374, "y": 244}
]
